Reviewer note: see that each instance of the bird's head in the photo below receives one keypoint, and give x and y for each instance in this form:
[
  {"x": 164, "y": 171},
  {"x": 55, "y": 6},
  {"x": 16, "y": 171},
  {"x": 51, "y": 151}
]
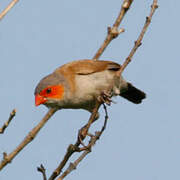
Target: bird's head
[{"x": 50, "y": 90}]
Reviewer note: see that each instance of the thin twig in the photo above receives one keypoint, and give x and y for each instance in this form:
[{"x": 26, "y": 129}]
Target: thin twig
[
  {"x": 138, "y": 42},
  {"x": 31, "y": 135},
  {"x": 73, "y": 148},
  {"x": 94, "y": 138},
  {"x": 8, "y": 8},
  {"x": 6, "y": 124},
  {"x": 114, "y": 32},
  {"x": 42, "y": 170}
]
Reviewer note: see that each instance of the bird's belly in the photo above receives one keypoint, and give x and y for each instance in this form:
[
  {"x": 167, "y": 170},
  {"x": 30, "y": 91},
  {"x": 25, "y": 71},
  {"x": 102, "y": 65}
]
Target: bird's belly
[{"x": 88, "y": 87}]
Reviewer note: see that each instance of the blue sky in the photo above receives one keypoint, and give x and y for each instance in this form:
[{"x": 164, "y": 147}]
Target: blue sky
[{"x": 141, "y": 141}]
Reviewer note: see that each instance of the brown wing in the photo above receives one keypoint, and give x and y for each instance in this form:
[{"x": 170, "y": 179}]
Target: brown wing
[{"x": 85, "y": 67}]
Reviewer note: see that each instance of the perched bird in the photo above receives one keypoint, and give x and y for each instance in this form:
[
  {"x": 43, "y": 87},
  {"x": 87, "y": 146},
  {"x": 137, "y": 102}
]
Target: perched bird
[{"x": 78, "y": 84}]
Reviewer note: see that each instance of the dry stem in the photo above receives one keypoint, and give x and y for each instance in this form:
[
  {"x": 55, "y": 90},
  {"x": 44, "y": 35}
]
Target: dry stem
[
  {"x": 8, "y": 8},
  {"x": 42, "y": 170},
  {"x": 137, "y": 43},
  {"x": 6, "y": 124},
  {"x": 94, "y": 138},
  {"x": 31, "y": 135},
  {"x": 74, "y": 148},
  {"x": 114, "y": 32}
]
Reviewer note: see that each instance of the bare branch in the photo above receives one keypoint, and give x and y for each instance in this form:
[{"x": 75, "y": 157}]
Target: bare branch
[
  {"x": 6, "y": 124},
  {"x": 94, "y": 138},
  {"x": 8, "y": 8},
  {"x": 137, "y": 43},
  {"x": 31, "y": 135},
  {"x": 70, "y": 150},
  {"x": 42, "y": 170},
  {"x": 114, "y": 32},
  {"x": 74, "y": 148}
]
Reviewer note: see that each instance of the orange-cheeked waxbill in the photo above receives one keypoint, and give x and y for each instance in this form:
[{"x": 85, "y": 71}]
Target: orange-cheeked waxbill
[{"x": 78, "y": 84}]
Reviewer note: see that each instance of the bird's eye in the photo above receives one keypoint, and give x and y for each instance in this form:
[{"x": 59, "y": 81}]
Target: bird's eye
[{"x": 48, "y": 91}]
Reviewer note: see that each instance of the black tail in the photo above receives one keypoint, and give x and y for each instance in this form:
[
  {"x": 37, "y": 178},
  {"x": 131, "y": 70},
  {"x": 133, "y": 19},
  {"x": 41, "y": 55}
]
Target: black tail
[{"x": 133, "y": 94}]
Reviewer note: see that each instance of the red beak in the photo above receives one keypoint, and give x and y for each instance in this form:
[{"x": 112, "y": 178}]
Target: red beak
[{"x": 39, "y": 100}]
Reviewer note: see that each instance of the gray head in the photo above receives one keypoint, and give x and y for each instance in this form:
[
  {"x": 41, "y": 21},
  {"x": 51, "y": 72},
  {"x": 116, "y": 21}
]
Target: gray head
[{"x": 49, "y": 80}]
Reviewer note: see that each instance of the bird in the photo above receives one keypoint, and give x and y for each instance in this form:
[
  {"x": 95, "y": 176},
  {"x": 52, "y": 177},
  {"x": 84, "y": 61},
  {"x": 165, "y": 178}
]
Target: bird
[{"x": 79, "y": 84}]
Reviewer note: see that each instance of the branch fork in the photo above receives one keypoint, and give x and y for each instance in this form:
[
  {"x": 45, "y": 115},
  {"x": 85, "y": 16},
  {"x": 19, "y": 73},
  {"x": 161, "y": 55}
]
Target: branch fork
[{"x": 114, "y": 32}]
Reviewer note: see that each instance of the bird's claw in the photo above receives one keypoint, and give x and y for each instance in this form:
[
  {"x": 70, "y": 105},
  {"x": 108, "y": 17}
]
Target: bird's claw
[
  {"x": 82, "y": 134},
  {"x": 105, "y": 97}
]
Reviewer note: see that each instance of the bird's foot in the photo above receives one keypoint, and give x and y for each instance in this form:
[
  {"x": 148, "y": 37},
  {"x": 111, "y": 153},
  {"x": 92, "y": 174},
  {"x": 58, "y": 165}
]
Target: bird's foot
[
  {"x": 82, "y": 134},
  {"x": 105, "y": 97}
]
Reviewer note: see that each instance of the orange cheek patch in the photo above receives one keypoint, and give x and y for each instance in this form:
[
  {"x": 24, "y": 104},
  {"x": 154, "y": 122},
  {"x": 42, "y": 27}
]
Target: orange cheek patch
[{"x": 57, "y": 92}]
